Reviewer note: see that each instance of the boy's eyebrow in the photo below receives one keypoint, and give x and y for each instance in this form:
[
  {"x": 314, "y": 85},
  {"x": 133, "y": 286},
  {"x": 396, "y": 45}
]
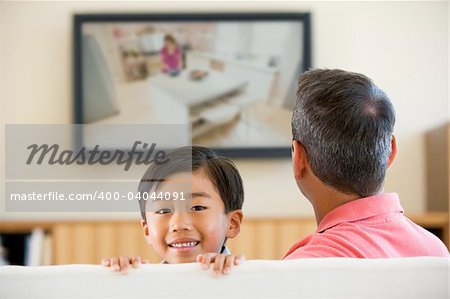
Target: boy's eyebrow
[{"x": 200, "y": 194}]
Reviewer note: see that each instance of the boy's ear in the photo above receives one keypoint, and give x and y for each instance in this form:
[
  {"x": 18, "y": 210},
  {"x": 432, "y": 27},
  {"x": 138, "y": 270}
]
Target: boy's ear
[
  {"x": 299, "y": 159},
  {"x": 146, "y": 233},
  {"x": 234, "y": 223}
]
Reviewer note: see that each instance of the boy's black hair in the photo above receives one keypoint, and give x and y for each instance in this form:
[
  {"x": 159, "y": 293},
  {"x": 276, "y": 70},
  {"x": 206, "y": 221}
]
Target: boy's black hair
[{"x": 220, "y": 170}]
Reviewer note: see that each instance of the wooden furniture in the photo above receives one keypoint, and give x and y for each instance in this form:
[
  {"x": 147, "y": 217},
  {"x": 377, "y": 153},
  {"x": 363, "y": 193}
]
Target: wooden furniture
[
  {"x": 154, "y": 63},
  {"x": 90, "y": 241},
  {"x": 134, "y": 66}
]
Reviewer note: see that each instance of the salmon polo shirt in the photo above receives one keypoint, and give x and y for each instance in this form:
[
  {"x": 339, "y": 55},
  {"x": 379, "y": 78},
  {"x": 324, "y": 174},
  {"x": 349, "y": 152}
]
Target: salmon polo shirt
[{"x": 370, "y": 227}]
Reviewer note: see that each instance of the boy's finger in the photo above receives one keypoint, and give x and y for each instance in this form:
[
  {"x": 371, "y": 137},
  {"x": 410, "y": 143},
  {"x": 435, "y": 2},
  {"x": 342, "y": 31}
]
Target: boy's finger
[
  {"x": 144, "y": 261},
  {"x": 105, "y": 262},
  {"x": 218, "y": 264},
  {"x": 207, "y": 259},
  {"x": 124, "y": 261},
  {"x": 136, "y": 261},
  {"x": 115, "y": 264},
  {"x": 229, "y": 261},
  {"x": 239, "y": 259},
  {"x": 199, "y": 258}
]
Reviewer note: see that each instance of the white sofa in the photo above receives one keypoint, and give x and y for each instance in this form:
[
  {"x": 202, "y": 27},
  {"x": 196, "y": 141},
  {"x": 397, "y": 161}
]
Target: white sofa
[{"x": 423, "y": 277}]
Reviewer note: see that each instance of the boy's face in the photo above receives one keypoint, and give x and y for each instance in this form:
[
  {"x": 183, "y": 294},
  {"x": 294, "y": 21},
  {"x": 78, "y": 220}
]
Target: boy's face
[{"x": 179, "y": 230}]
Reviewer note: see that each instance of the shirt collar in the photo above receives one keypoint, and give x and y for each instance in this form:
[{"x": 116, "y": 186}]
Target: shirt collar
[
  {"x": 225, "y": 250},
  {"x": 359, "y": 209}
]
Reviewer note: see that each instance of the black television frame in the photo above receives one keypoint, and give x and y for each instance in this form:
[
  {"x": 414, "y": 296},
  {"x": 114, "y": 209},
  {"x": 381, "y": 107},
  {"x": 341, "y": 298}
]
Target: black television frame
[{"x": 244, "y": 152}]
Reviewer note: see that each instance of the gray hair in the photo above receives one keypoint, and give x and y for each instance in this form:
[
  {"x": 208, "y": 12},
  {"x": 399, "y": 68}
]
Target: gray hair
[{"x": 345, "y": 122}]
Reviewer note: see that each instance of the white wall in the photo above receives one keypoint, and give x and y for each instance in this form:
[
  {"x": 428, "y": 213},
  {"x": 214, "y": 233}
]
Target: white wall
[{"x": 403, "y": 46}]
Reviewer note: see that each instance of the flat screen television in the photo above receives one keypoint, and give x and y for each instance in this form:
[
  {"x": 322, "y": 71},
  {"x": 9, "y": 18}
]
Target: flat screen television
[{"x": 230, "y": 77}]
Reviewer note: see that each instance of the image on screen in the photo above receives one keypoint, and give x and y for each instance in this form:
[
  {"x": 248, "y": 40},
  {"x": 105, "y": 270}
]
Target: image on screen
[{"x": 234, "y": 82}]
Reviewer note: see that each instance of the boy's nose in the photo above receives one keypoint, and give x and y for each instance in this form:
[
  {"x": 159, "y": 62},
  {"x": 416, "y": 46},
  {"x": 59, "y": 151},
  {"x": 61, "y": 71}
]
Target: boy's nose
[{"x": 180, "y": 221}]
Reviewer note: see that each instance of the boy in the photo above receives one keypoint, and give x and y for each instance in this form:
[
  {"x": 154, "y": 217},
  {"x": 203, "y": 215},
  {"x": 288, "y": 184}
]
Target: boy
[
  {"x": 193, "y": 206},
  {"x": 343, "y": 143}
]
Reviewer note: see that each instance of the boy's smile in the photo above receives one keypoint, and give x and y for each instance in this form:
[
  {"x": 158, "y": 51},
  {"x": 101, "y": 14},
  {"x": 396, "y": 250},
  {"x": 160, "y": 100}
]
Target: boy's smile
[
  {"x": 179, "y": 230},
  {"x": 183, "y": 244}
]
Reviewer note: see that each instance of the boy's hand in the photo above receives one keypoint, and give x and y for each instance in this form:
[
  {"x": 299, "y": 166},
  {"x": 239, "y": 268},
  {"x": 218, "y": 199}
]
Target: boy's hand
[
  {"x": 122, "y": 263},
  {"x": 222, "y": 263}
]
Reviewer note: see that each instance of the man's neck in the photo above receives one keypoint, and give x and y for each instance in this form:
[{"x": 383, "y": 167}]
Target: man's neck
[{"x": 328, "y": 200}]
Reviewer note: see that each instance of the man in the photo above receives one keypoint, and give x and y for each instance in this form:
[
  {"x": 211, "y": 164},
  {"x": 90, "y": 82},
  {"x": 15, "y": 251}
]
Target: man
[{"x": 343, "y": 143}]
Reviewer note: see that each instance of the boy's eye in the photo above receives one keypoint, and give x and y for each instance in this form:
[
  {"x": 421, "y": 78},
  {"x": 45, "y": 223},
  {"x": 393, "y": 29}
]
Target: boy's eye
[
  {"x": 198, "y": 208},
  {"x": 163, "y": 211}
]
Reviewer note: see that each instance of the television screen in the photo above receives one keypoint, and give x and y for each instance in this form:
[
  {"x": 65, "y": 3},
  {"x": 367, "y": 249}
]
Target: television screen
[{"x": 230, "y": 77}]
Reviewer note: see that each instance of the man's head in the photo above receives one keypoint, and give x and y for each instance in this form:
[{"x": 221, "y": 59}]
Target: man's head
[
  {"x": 344, "y": 123},
  {"x": 210, "y": 213}
]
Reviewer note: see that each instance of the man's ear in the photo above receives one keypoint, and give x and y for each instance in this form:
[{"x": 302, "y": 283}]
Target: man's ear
[
  {"x": 234, "y": 223},
  {"x": 393, "y": 151},
  {"x": 146, "y": 233},
  {"x": 299, "y": 159}
]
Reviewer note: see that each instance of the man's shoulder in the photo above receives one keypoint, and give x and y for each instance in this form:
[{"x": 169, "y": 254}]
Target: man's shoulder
[
  {"x": 339, "y": 241},
  {"x": 316, "y": 245}
]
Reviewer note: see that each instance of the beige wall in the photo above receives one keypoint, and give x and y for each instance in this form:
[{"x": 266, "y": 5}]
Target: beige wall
[{"x": 402, "y": 46}]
